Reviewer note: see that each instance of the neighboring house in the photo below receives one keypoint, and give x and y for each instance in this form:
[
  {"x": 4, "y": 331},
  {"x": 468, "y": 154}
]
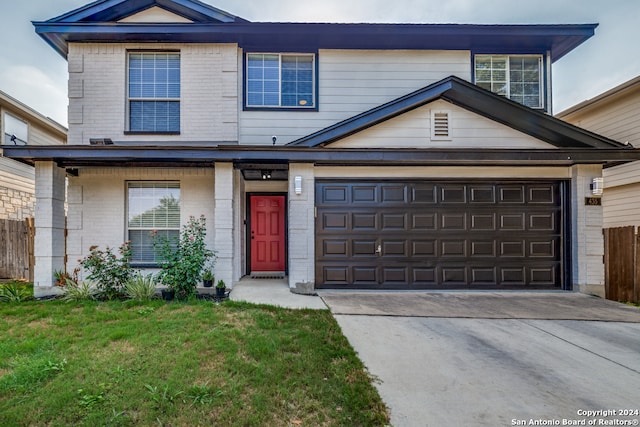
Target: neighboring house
[
  {"x": 616, "y": 114},
  {"x": 340, "y": 155},
  {"x": 21, "y": 125}
]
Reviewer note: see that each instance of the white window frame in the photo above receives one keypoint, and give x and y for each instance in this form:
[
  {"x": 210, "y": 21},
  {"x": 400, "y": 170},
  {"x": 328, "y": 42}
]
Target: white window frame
[
  {"x": 128, "y": 228},
  {"x": 314, "y": 95},
  {"x": 152, "y": 99},
  {"x": 9, "y": 133},
  {"x": 541, "y": 75}
]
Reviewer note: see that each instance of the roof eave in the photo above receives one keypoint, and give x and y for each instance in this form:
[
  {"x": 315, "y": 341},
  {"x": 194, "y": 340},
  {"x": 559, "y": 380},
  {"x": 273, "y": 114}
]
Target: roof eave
[
  {"x": 86, "y": 156},
  {"x": 557, "y": 39}
]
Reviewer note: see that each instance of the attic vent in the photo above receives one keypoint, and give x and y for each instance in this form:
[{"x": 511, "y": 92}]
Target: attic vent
[{"x": 440, "y": 125}]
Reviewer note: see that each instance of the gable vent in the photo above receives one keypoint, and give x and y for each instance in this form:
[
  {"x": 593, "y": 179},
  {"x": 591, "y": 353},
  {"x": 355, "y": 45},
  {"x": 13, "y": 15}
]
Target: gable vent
[{"x": 440, "y": 125}]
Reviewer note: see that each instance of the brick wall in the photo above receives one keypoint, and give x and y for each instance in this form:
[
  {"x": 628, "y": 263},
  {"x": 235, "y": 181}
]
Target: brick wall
[{"x": 98, "y": 92}]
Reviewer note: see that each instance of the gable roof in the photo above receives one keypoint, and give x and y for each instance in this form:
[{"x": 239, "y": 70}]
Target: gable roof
[
  {"x": 607, "y": 96},
  {"x": 96, "y": 22},
  {"x": 114, "y": 10},
  {"x": 473, "y": 98}
]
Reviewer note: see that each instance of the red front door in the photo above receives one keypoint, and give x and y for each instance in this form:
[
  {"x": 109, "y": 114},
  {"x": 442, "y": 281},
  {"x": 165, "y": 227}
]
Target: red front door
[{"x": 267, "y": 233}]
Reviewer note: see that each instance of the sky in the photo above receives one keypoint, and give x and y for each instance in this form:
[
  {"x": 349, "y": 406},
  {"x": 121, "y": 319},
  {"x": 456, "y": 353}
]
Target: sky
[{"x": 36, "y": 75}]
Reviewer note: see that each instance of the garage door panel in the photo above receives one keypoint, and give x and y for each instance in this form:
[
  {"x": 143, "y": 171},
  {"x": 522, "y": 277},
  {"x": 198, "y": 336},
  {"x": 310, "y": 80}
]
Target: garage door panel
[
  {"x": 511, "y": 194},
  {"x": 364, "y": 248},
  {"x": 335, "y": 221},
  {"x": 364, "y": 194},
  {"x": 483, "y": 248},
  {"x": 423, "y": 194},
  {"x": 453, "y": 194},
  {"x": 483, "y": 275},
  {"x": 394, "y": 221},
  {"x": 483, "y": 221},
  {"x": 424, "y": 221},
  {"x": 542, "y": 194},
  {"x": 453, "y": 221},
  {"x": 453, "y": 248},
  {"x": 439, "y": 235},
  {"x": 482, "y": 194},
  {"x": 365, "y": 221}
]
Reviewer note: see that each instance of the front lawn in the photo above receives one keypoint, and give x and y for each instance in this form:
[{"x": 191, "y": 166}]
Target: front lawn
[{"x": 179, "y": 364}]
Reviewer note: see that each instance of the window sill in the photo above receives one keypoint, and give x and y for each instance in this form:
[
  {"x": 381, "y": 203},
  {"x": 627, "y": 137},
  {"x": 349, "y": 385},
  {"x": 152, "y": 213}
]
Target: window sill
[
  {"x": 145, "y": 265},
  {"x": 144, "y": 132},
  {"x": 288, "y": 109}
]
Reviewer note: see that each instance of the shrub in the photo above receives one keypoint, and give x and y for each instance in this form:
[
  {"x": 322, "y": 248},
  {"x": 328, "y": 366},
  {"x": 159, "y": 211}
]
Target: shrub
[
  {"x": 79, "y": 291},
  {"x": 109, "y": 272},
  {"x": 14, "y": 292},
  {"x": 183, "y": 259},
  {"x": 141, "y": 288}
]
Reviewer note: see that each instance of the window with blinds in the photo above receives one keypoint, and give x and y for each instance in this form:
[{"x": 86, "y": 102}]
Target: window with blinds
[
  {"x": 153, "y": 208},
  {"x": 280, "y": 80},
  {"x": 154, "y": 92}
]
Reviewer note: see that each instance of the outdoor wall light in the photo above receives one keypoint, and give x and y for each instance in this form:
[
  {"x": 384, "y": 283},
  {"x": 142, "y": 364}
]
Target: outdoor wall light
[
  {"x": 597, "y": 186},
  {"x": 297, "y": 184},
  {"x": 266, "y": 174}
]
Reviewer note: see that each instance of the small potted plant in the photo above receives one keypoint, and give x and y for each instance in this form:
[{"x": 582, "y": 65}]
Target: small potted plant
[
  {"x": 220, "y": 288},
  {"x": 207, "y": 278}
]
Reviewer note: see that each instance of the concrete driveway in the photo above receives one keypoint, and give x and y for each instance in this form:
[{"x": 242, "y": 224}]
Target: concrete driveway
[{"x": 496, "y": 359}]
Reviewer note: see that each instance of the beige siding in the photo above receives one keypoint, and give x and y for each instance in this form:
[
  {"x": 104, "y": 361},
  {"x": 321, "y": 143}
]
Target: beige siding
[
  {"x": 98, "y": 92},
  {"x": 351, "y": 82},
  {"x": 413, "y": 130},
  {"x": 621, "y": 206},
  {"x": 155, "y": 14},
  {"x": 615, "y": 116},
  {"x": 17, "y": 180},
  {"x": 443, "y": 172}
]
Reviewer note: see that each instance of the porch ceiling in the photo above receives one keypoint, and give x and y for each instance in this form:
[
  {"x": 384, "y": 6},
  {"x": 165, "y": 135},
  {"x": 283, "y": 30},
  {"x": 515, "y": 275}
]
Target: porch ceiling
[{"x": 73, "y": 156}]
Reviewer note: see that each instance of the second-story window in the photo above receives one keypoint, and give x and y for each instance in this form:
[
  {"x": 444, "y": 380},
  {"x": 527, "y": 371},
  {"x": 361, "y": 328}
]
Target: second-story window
[
  {"x": 154, "y": 92},
  {"x": 280, "y": 80},
  {"x": 16, "y": 131},
  {"x": 517, "y": 77}
]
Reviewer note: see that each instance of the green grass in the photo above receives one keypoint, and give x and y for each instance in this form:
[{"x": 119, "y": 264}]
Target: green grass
[{"x": 179, "y": 364}]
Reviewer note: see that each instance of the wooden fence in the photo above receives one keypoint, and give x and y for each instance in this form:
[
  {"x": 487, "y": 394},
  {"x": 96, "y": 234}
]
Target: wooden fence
[
  {"x": 622, "y": 263},
  {"x": 17, "y": 249}
]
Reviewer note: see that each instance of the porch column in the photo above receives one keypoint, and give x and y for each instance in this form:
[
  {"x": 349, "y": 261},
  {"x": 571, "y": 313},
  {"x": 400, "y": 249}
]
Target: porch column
[
  {"x": 587, "y": 243},
  {"x": 223, "y": 222},
  {"x": 50, "y": 223},
  {"x": 302, "y": 228}
]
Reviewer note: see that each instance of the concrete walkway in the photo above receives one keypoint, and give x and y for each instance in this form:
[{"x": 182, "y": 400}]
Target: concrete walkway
[{"x": 273, "y": 292}]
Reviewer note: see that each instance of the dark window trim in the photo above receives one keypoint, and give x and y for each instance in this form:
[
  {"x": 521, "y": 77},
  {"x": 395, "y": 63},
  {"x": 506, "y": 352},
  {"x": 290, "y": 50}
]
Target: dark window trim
[
  {"x": 316, "y": 84},
  {"x": 499, "y": 52},
  {"x": 143, "y": 132}
]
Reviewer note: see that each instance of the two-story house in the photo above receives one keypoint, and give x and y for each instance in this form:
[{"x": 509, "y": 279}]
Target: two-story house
[
  {"x": 349, "y": 156},
  {"x": 22, "y": 125}
]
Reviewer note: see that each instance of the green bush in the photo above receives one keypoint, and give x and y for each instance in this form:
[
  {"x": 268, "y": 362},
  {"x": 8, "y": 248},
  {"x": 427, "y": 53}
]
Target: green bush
[
  {"x": 79, "y": 291},
  {"x": 109, "y": 272},
  {"x": 183, "y": 259},
  {"x": 140, "y": 287},
  {"x": 15, "y": 292}
]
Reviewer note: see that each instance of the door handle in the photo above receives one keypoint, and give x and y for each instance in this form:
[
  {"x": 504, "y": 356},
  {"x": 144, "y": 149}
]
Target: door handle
[{"x": 379, "y": 250}]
